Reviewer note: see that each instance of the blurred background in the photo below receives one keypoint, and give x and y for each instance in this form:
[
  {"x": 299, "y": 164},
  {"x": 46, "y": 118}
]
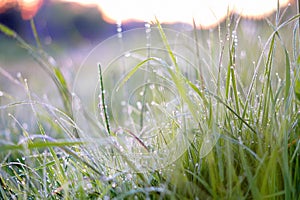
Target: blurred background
[
  {"x": 87, "y": 22},
  {"x": 70, "y": 29}
]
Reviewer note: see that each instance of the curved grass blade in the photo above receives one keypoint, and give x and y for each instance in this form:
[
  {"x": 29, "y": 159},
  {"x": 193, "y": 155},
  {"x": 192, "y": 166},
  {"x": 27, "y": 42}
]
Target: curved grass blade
[
  {"x": 132, "y": 72},
  {"x": 37, "y": 144}
]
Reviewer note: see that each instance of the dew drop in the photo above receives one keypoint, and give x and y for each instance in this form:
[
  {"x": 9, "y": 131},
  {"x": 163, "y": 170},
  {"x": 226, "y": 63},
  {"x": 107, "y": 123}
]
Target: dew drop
[
  {"x": 51, "y": 60},
  {"x": 106, "y": 197},
  {"x": 129, "y": 110},
  {"x": 148, "y": 28},
  {"x": 152, "y": 86},
  {"x": 161, "y": 88},
  {"x": 25, "y": 126},
  {"x": 261, "y": 78},
  {"x": 119, "y": 29},
  {"x": 171, "y": 67},
  {"x": 123, "y": 103},
  {"x": 129, "y": 176},
  {"x": 89, "y": 186},
  {"x": 127, "y": 54},
  {"x": 235, "y": 41},
  {"x": 19, "y": 75},
  {"x": 139, "y": 105},
  {"x": 243, "y": 54},
  {"x": 240, "y": 140},
  {"x": 153, "y": 103}
]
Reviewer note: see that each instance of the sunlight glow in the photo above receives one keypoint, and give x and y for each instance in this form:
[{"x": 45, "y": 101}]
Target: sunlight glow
[
  {"x": 206, "y": 13},
  {"x": 28, "y": 8}
]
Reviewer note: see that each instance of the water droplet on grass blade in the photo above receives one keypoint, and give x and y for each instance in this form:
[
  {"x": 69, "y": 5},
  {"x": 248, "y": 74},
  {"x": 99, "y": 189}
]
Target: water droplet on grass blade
[
  {"x": 119, "y": 29},
  {"x": 52, "y": 61},
  {"x": 240, "y": 140},
  {"x": 152, "y": 86},
  {"x": 129, "y": 110},
  {"x": 25, "y": 126},
  {"x": 19, "y": 75},
  {"x": 139, "y": 105},
  {"x": 106, "y": 197},
  {"x": 128, "y": 177},
  {"x": 127, "y": 54}
]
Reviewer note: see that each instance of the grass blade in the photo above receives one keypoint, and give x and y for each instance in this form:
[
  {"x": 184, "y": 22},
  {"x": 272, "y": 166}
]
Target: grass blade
[{"x": 103, "y": 104}]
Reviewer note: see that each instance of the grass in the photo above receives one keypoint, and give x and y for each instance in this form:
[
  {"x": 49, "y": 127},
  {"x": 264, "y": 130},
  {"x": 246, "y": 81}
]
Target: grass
[{"x": 240, "y": 119}]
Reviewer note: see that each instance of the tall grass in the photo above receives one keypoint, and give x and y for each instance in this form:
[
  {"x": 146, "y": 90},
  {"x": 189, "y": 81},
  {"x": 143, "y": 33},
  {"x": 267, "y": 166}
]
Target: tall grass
[{"x": 245, "y": 128}]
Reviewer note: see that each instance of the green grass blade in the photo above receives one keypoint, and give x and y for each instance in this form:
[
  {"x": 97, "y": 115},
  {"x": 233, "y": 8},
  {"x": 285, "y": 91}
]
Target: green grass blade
[
  {"x": 37, "y": 145},
  {"x": 133, "y": 71},
  {"x": 176, "y": 75},
  {"x": 35, "y": 34},
  {"x": 287, "y": 78},
  {"x": 103, "y": 103},
  {"x": 7, "y": 31},
  {"x": 168, "y": 47},
  {"x": 297, "y": 80}
]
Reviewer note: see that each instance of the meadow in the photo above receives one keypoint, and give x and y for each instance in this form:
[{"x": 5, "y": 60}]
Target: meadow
[{"x": 155, "y": 113}]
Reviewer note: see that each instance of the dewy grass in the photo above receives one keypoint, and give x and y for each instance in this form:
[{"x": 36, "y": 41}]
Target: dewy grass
[
  {"x": 245, "y": 142},
  {"x": 48, "y": 65}
]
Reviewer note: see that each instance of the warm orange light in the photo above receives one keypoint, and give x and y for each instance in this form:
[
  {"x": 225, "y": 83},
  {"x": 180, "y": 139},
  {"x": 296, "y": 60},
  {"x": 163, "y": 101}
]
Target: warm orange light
[
  {"x": 5, "y": 4},
  {"x": 206, "y": 13},
  {"x": 83, "y": 2},
  {"x": 28, "y": 8},
  {"x": 257, "y": 8}
]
